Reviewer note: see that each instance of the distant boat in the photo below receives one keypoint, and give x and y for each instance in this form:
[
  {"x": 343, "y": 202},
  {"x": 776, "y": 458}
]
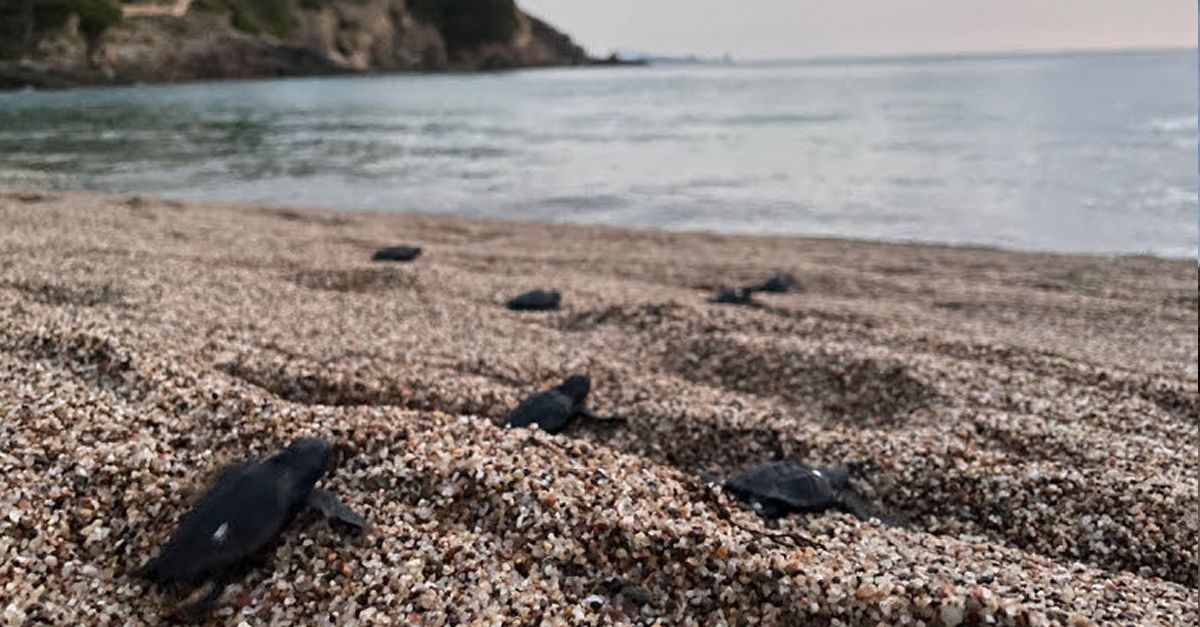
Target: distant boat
[{"x": 664, "y": 59}]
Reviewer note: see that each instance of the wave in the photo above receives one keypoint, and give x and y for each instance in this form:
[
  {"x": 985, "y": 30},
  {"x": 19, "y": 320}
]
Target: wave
[
  {"x": 784, "y": 118},
  {"x": 1175, "y": 123},
  {"x": 583, "y": 201},
  {"x": 760, "y": 119}
]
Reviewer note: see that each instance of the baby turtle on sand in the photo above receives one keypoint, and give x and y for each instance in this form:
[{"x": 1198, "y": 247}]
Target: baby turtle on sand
[
  {"x": 536, "y": 300},
  {"x": 244, "y": 511},
  {"x": 745, "y": 295},
  {"x": 776, "y": 489},
  {"x": 735, "y": 296},
  {"x": 555, "y": 409},
  {"x": 779, "y": 283},
  {"x": 397, "y": 253}
]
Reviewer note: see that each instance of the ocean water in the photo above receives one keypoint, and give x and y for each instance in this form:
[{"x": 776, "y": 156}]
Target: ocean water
[{"x": 1071, "y": 152}]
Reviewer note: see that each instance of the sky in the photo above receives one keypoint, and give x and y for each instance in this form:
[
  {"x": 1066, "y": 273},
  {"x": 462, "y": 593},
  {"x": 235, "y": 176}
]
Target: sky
[{"x": 819, "y": 28}]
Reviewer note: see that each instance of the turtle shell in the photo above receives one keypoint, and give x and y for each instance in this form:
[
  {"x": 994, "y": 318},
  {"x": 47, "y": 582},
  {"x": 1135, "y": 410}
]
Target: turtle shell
[
  {"x": 551, "y": 410},
  {"x": 244, "y": 511},
  {"x": 536, "y": 300},
  {"x": 782, "y": 487},
  {"x": 779, "y": 283},
  {"x": 397, "y": 253},
  {"x": 734, "y": 296}
]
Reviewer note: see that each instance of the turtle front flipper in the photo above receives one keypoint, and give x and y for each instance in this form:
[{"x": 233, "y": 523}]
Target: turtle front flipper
[
  {"x": 770, "y": 509},
  {"x": 149, "y": 571},
  {"x": 591, "y": 415},
  {"x": 852, "y": 503},
  {"x": 332, "y": 509}
]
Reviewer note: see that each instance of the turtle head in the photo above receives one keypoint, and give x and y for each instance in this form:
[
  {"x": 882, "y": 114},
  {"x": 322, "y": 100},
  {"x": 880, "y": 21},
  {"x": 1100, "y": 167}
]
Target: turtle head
[
  {"x": 311, "y": 456},
  {"x": 838, "y": 476},
  {"x": 576, "y": 387}
]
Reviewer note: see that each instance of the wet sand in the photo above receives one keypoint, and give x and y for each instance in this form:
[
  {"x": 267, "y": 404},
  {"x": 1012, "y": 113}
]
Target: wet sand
[{"x": 1032, "y": 419}]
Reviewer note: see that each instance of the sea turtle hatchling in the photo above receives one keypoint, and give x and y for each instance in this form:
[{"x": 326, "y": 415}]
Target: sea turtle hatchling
[
  {"x": 778, "y": 283},
  {"x": 245, "y": 510},
  {"x": 397, "y": 253},
  {"x": 536, "y": 300},
  {"x": 555, "y": 409},
  {"x": 734, "y": 296},
  {"x": 779, "y": 488}
]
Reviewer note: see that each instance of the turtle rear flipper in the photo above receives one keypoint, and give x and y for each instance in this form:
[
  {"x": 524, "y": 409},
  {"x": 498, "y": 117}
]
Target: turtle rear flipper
[
  {"x": 194, "y": 609},
  {"x": 149, "y": 571},
  {"x": 334, "y": 510},
  {"x": 591, "y": 415}
]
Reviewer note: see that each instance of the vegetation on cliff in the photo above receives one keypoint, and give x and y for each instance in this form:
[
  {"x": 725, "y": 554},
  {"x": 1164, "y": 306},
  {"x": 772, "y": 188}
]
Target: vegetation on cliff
[
  {"x": 260, "y": 17},
  {"x": 23, "y": 21},
  {"x": 466, "y": 24}
]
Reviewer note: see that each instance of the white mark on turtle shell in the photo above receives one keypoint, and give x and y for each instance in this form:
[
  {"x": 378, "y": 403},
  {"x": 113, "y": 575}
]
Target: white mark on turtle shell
[{"x": 221, "y": 532}]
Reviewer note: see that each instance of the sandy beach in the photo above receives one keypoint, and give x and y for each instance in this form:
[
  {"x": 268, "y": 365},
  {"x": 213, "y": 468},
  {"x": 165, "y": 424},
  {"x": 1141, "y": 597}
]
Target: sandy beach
[{"x": 1030, "y": 419}]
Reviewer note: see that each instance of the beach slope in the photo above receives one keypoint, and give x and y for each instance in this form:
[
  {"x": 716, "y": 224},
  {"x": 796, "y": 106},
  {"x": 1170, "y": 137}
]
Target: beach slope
[{"x": 1030, "y": 419}]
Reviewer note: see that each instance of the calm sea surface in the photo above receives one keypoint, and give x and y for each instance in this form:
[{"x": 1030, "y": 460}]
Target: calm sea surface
[{"x": 1090, "y": 153}]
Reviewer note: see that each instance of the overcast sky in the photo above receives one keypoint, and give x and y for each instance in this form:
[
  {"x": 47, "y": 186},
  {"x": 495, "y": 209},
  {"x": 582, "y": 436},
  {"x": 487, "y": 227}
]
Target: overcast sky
[{"x": 808, "y": 28}]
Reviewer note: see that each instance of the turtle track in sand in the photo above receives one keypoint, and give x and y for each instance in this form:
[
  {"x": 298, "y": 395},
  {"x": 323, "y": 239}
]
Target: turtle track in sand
[
  {"x": 1006, "y": 437},
  {"x": 90, "y": 357},
  {"x": 360, "y": 280},
  {"x": 50, "y": 293},
  {"x": 1059, "y": 462},
  {"x": 841, "y": 386},
  {"x": 343, "y": 383}
]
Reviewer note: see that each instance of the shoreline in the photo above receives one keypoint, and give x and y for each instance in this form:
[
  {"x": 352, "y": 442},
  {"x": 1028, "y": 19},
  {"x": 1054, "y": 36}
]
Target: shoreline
[
  {"x": 697, "y": 232},
  {"x": 1029, "y": 417},
  {"x": 616, "y": 228},
  {"x": 57, "y": 79}
]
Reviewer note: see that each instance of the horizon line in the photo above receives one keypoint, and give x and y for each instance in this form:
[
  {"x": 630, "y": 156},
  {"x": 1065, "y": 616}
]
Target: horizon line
[{"x": 931, "y": 55}]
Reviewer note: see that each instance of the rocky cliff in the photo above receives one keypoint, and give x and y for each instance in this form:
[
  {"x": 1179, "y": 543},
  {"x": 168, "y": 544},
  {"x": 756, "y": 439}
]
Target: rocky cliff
[{"x": 211, "y": 39}]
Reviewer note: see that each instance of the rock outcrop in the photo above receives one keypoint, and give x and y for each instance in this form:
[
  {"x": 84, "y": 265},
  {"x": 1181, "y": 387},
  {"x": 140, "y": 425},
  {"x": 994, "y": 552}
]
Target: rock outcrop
[{"x": 211, "y": 40}]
